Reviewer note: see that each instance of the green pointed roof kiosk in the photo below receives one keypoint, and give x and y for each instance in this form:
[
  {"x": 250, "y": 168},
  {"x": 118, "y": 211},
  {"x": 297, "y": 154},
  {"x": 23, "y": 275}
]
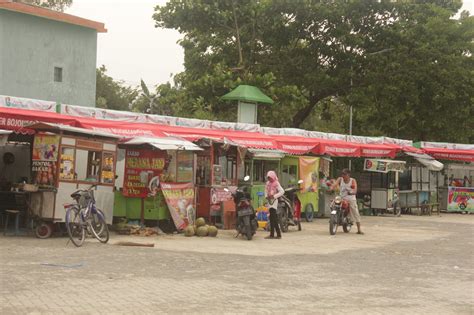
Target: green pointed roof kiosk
[{"x": 247, "y": 96}]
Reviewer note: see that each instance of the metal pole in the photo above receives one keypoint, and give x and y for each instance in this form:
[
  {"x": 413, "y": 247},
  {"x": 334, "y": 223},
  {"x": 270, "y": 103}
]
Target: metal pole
[
  {"x": 350, "y": 130},
  {"x": 350, "y": 123}
]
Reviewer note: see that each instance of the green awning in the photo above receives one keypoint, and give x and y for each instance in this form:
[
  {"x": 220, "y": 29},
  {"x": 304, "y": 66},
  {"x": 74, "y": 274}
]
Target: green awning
[{"x": 247, "y": 93}]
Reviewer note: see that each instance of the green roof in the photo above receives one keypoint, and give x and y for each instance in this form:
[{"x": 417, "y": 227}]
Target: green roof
[{"x": 247, "y": 93}]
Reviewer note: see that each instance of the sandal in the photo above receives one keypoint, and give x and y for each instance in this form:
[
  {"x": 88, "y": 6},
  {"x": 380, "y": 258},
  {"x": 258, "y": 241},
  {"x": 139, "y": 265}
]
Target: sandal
[{"x": 361, "y": 233}]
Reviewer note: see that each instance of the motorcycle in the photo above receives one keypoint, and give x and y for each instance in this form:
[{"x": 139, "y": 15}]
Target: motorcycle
[
  {"x": 340, "y": 210},
  {"x": 289, "y": 209},
  {"x": 246, "y": 216}
]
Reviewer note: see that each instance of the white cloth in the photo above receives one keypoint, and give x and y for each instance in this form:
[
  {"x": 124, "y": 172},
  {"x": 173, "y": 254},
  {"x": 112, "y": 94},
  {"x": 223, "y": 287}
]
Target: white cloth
[
  {"x": 346, "y": 190},
  {"x": 280, "y": 193}
]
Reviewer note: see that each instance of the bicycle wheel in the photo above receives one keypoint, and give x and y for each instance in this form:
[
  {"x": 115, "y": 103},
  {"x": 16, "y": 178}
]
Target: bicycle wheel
[
  {"x": 99, "y": 226},
  {"x": 75, "y": 226}
]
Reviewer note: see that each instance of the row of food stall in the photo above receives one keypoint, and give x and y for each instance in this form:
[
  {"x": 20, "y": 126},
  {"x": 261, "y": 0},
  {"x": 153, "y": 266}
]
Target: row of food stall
[{"x": 152, "y": 172}]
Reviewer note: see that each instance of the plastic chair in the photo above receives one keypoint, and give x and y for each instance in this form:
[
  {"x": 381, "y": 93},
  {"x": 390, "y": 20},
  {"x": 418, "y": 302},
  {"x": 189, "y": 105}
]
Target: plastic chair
[{"x": 17, "y": 214}]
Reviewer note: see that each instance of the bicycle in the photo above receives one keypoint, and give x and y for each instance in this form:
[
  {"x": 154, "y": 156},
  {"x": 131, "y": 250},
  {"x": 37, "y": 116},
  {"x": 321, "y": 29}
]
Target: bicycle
[{"x": 83, "y": 217}]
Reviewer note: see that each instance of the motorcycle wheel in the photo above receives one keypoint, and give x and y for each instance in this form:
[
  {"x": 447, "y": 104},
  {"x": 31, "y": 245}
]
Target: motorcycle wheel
[
  {"x": 248, "y": 233},
  {"x": 248, "y": 228},
  {"x": 283, "y": 220},
  {"x": 346, "y": 226},
  {"x": 309, "y": 212},
  {"x": 332, "y": 225},
  {"x": 397, "y": 211}
]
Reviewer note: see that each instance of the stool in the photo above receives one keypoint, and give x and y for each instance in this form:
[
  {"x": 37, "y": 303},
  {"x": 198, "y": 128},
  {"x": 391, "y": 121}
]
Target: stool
[{"x": 17, "y": 214}]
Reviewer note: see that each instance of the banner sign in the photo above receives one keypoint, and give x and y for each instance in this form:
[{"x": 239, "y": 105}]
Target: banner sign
[
  {"x": 383, "y": 166},
  {"x": 219, "y": 195},
  {"x": 27, "y": 103},
  {"x": 461, "y": 199},
  {"x": 45, "y": 155},
  {"x": 45, "y": 147},
  {"x": 180, "y": 201},
  {"x": 141, "y": 167},
  {"x": 309, "y": 173}
]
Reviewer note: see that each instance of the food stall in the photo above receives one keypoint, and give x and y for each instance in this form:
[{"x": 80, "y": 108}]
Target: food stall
[
  {"x": 457, "y": 192},
  {"x": 217, "y": 169},
  {"x": 256, "y": 164},
  {"x": 384, "y": 177},
  {"x": 147, "y": 164},
  {"x": 306, "y": 168},
  {"x": 65, "y": 159}
]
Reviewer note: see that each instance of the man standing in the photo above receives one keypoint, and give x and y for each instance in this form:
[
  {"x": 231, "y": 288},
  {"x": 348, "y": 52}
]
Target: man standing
[{"x": 348, "y": 188}]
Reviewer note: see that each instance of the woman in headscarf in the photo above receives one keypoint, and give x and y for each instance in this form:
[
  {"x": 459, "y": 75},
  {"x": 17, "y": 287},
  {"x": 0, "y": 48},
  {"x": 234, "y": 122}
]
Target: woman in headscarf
[{"x": 273, "y": 191}]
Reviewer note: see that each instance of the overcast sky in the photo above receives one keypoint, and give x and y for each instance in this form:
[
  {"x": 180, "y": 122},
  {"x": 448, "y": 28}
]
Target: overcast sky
[{"x": 133, "y": 48}]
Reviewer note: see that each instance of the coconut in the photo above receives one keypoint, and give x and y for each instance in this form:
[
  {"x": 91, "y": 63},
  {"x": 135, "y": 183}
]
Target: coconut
[
  {"x": 200, "y": 222},
  {"x": 189, "y": 231},
  {"x": 202, "y": 231},
  {"x": 212, "y": 231}
]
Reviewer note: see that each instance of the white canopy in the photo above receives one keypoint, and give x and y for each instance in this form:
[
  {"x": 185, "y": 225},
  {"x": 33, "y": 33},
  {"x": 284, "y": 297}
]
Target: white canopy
[
  {"x": 168, "y": 143},
  {"x": 58, "y": 127},
  {"x": 427, "y": 160},
  {"x": 267, "y": 154},
  {"x": 5, "y": 132}
]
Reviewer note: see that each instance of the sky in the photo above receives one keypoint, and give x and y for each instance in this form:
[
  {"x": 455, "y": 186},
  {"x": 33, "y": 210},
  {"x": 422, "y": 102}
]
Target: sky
[{"x": 133, "y": 48}]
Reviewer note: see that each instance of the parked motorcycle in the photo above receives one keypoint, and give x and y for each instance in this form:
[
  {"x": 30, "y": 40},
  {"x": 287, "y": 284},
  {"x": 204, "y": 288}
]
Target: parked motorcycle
[
  {"x": 289, "y": 209},
  {"x": 340, "y": 210},
  {"x": 246, "y": 216}
]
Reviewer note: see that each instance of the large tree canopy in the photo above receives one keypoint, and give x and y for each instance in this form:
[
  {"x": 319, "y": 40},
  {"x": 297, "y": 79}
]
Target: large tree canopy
[{"x": 406, "y": 67}]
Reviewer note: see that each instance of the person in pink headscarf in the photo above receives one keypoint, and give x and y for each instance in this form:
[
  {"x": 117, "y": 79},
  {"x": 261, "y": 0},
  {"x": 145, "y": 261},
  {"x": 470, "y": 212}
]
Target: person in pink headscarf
[{"x": 273, "y": 191}]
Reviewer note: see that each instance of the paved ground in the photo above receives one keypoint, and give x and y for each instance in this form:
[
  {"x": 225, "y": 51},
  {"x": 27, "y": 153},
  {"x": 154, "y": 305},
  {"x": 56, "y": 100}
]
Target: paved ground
[{"x": 407, "y": 265}]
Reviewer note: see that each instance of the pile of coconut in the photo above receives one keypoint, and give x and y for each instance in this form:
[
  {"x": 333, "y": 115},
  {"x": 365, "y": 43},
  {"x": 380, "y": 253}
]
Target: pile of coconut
[{"x": 200, "y": 229}]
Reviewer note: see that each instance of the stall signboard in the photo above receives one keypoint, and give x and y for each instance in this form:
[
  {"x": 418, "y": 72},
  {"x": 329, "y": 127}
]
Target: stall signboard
[
  {"x": 309, "y": 173},
  {"x": 185, "y": 166},
  {"x": 383, "y": 166},
  {"x": 45, "y": 147},
  {"x": 108, "y": 168},
  {"x": 66, "y": 164},
  {"x": 219, "y": 195},
  {"x": 461, "y": 199},
  {"x": 45, "y": 155},
  {"x": 141, "y": 167},
  {"x": 180, "y": 201}
]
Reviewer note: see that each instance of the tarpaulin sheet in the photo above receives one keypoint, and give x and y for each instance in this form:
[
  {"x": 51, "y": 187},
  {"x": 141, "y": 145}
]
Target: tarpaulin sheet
[
  {"x": 296, "y": 145},
  {"x": 16, "y": 119},
  {"x": 377, "y": 150},
  {"x": 448, "y": 154},
  {"x": 125, "y": 129},
  {"x": 337, "y": 148}
]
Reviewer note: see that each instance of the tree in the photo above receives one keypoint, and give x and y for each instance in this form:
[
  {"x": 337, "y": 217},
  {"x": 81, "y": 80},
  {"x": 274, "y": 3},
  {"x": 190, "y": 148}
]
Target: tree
[
  {"x": 113, "y": 94},
  {"x": 57, "y": 5},
  {"x": 307, "y": 54}
]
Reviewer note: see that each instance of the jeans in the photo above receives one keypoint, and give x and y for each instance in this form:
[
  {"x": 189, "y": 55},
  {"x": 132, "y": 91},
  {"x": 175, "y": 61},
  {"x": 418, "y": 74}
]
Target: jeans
[{"x": 274, "y": 225}]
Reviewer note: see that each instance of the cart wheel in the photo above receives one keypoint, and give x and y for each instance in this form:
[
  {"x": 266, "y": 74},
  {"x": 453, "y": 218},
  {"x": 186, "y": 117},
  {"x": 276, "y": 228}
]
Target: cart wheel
[
  {"x": 309, "y": 212},
  {"x": 44, "y": 230}
]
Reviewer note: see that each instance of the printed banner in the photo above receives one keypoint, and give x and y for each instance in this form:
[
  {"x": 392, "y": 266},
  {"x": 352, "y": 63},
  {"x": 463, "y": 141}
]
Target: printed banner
[
  {"x": 27, "y": 103},
  {"x": 180, "y": 201},
  {"x": 382, "y": 166},
  {"x": 45, "y": 147},
  {"x": 461, "y": 199},
  {"x": 309, "y": 173},
  {"x": 66, "y": 164},
  {"x": 142, "y": 168},
  {"x": 219, "y": 195},
  {"x": 44, "y": 172}
]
